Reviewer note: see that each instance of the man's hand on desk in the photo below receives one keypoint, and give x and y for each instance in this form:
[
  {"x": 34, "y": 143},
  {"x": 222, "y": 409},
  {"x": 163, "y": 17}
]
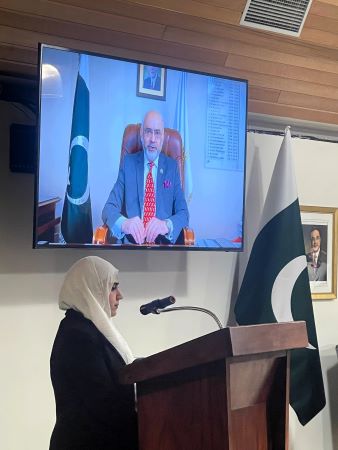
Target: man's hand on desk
[
  {"x": 154, "y": 228},
  {"x": 135, "y": 227}
]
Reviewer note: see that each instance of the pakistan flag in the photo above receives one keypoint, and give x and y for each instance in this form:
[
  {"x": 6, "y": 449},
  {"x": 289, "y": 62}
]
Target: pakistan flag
[
  {"x": 276, "y": 288},
  {"x": 76, "y": 222}
]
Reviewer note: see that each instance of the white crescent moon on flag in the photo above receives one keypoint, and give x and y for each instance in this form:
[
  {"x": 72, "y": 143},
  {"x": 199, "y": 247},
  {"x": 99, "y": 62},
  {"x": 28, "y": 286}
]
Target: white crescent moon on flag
[
  {"x": 80, "y": 140},
  {"x": 282, "y": 290},
  {"x": 83, "y": 142}
]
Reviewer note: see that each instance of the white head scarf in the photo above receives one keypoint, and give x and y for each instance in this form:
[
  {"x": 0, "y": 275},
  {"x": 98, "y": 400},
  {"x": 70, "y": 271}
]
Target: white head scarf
[{"x": 86, "y": 289}]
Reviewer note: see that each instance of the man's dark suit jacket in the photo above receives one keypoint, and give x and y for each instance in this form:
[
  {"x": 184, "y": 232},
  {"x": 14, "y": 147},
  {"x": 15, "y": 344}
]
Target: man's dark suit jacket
[
  {"x": 147, "y": 84},
  {"x": 322, "y": 257},
  {"x": 318, "y": 273},
  {"x": 93, "y": 411}
]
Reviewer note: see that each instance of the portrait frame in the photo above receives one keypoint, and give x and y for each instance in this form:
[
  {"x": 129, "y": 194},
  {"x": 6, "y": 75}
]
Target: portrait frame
[
  {"x": 157, "y": 92},
  {"x": 322, "y": 221}
]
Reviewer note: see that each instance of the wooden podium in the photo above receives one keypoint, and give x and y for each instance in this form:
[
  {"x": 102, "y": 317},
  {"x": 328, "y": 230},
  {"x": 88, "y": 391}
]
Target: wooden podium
[{"x": 227, "y": 390}]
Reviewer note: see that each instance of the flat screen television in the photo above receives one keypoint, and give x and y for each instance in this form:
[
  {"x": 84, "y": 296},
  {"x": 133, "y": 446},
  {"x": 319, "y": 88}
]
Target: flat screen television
[{"x": 101, "y": 118}]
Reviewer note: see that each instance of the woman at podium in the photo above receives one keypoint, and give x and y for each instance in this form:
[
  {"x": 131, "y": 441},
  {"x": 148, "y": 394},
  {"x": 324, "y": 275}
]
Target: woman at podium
[{"x": 93, "y": 410}]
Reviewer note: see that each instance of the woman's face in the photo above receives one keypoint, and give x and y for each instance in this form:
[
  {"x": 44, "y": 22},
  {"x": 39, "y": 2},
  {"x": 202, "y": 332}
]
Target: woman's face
[{"x": 114, "y": 298}]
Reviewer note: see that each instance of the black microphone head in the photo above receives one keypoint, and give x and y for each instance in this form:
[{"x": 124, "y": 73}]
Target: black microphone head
[
  {"x": 155, "y": 305},
  {"x": 173, "y": 299},
  {"x": 167, "y": 301},
  {"x": 145, "y": 309}
]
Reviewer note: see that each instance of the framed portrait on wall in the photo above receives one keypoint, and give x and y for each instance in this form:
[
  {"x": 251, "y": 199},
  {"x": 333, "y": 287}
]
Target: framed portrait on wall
[
  {"x": 320, "y": 238},
  {"x": 151, "y": 81}
]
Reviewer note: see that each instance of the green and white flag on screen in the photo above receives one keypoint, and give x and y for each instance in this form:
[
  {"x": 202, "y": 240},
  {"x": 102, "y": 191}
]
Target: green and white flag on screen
[
  {"x": 275, "y": 286},
  {"x": 76, "y": 222}
]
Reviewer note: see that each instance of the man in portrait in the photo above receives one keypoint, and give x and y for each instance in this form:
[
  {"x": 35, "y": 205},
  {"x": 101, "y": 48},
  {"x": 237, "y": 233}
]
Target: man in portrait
[
  {"x": 152, "y": 78},
  {"x": 147, "y": 203},
  {"x": 317, "y": 257}
]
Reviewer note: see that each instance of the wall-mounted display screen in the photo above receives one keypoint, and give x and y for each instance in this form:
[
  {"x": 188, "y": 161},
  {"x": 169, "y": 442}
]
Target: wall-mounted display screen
[{"x": 135, "y": 155}]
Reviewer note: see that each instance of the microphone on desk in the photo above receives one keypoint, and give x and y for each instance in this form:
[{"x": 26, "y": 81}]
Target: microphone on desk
[{"x": 155, "y": 305}]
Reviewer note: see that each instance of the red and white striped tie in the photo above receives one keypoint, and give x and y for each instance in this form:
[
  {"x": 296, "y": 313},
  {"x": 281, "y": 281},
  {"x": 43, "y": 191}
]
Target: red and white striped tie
[{"x": 149, "y": 197}]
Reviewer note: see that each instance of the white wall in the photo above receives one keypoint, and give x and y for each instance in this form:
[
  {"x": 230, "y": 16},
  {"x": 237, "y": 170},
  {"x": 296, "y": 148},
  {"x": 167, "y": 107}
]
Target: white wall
[{"x": 30, "y": 280}]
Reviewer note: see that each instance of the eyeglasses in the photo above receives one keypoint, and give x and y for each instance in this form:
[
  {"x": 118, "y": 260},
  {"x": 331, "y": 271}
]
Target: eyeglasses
[
  {"x": 149, "y": 133},
  {"x": 115, "y": 286}
]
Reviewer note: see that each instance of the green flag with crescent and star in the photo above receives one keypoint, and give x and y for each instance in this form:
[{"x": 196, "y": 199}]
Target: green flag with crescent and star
[
  {"x": 275, "y": 286},
  {"x": 76, "y": 222}
]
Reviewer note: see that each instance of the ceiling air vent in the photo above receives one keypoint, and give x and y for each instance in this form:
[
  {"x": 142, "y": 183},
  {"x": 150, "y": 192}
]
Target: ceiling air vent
[{"x": 280, "y": 16}]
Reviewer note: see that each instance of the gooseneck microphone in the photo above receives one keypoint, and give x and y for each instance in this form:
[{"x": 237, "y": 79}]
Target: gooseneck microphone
[
  {"x": 157, "y": 307},
  {"x": 154, "y": 306},
  {"x": 193, "y": 308}
]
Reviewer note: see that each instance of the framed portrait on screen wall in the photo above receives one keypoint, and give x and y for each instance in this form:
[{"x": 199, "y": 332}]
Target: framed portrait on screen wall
[{"x": 151, "y": 81}]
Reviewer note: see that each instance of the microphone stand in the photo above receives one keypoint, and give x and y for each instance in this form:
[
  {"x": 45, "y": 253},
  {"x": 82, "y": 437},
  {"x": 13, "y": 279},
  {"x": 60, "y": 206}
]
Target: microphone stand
[{"x": 191, "y": 308}]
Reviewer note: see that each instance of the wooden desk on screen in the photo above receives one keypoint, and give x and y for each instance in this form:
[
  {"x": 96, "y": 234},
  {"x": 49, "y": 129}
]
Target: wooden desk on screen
[{"x": 46, "y": 220}]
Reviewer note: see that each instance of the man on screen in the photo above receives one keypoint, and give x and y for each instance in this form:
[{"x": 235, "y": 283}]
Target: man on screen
[
  {"x": 147, "y": 203},
  {"x": 316, "y": 258}
]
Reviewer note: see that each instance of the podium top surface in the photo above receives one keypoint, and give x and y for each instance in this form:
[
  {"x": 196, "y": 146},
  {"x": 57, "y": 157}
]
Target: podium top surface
[{"x": 222, "y": 344}]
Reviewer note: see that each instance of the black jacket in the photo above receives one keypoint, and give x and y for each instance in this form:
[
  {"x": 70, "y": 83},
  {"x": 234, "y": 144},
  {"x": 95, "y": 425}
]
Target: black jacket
[{"x": 93, "y": 411}]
